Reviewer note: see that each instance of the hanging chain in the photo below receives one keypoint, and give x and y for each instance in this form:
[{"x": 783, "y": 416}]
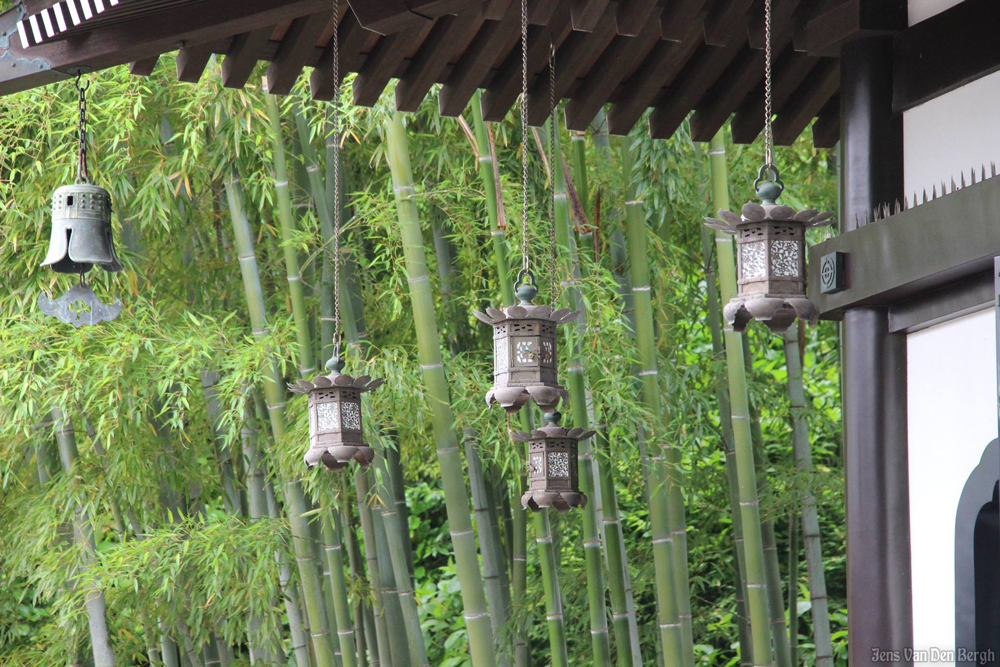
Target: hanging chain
[
  {"x": 336, "y": 177},
  {"x": 81, "y": 170},
  {"x": 554, "y": 127},
  {"x": 768, "y": 134},
  {"x": 525, "y": 265}
]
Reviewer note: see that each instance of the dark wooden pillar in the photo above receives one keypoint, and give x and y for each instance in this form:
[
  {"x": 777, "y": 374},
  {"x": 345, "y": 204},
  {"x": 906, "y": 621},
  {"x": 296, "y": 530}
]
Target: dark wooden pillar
[{"x": 874, "y": 366}]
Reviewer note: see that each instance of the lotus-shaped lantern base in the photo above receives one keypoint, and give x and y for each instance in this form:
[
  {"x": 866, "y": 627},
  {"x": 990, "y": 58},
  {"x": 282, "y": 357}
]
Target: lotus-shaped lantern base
[
  {"x": 563, "y": 501},
  {"x": 338, "y": 456},
  {"x": 512, "y": 398},
  {"x": 777, "y": 313}
]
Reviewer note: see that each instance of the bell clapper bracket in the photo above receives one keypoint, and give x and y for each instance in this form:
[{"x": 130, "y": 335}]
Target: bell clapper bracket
[{"x": 80, "y": 306}]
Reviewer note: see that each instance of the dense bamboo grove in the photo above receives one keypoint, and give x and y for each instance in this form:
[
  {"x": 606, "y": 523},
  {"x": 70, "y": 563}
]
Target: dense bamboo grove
[{"x": 155, "y": 506}]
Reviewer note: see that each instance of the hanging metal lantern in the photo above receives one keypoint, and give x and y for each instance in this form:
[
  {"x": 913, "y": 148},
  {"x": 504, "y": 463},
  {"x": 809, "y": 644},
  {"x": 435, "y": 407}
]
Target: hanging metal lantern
[
  {"x": 81, "y": 238},
  {"x": 770, "y": 258},
  {"x": 335, "y": 430},
  {"x": 525, "y": 352},
  {"x": 553, "y": 476}
]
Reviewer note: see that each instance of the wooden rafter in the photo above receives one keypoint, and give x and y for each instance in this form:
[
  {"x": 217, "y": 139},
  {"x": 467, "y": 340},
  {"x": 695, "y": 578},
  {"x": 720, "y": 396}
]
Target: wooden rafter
[{"x": 790, "y": 70}]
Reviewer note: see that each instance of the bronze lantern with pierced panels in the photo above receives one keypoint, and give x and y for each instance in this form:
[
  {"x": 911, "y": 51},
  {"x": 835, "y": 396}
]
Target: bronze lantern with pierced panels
[
  {"x": 770, "y": 259},
  {"x": 336, "y": 436},
  {"x": 553, "y": 475},
  {"x": 525, "y": 352}
]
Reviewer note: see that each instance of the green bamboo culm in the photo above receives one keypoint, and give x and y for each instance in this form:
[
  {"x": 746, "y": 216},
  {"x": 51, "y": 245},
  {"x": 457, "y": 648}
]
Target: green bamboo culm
[
  {"x": 568, "y": 265},
  {"x": 449, "y": 457},
  {"x": 722, "y": 397},
  {"x": 382, "y": 645},
  {"x": 670, "y": 626},
  {"x": 83, "y": 538},
  {"x": 619, "y": 578},
  {"x": 757, "y": 601},
  {"x": 307, "y": 366},
  {"x": 810, "y": 517},
  {"x": 487, "y": 173},
  {"x": 274, "y": 394},
  {"x": 333, "y": 549}
]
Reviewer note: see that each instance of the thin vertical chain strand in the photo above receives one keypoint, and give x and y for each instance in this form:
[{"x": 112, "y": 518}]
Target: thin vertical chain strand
[
  {"x": 81, "y": 169},
  {"x": 524, "y": 133},
  {"x": 554, "y": 127},
  {"x": 336, "y": 176},
  {"x": 768, "y": 135}
]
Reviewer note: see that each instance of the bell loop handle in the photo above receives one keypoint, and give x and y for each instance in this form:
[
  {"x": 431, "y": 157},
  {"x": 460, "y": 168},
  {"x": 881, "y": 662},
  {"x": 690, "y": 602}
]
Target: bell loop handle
[{"x": 768, "y": 184}]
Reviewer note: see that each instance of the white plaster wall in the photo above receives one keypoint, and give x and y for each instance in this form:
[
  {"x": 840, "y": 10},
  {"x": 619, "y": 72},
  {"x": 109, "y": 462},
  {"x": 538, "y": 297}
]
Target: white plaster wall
[
  {"x": 924, "y": 9},
  {"x": 952, "y": 416}
]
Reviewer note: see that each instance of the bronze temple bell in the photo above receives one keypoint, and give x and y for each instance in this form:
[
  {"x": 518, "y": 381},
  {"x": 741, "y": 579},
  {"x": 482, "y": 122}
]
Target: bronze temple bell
[{"x": 81, "y": 230}]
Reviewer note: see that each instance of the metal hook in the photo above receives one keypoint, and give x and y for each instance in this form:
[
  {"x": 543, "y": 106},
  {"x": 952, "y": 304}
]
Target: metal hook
[{"x": 79, "y": 79}]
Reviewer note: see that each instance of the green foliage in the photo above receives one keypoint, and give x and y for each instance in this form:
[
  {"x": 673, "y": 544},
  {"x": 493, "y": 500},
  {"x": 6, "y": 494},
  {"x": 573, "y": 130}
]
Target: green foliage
[{"x": 161, "y": 148}]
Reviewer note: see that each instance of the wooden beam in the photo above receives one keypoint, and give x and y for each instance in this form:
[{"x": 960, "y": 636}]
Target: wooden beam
[
  {"x": 242, "y": 56},
  {"x": 191, "y": 61},
  {"x": 726, "y": 21},
  {"x": 784, "y": 19},
  {"x": 806, "y": 12},
  {"x": 726, "y": 94},
  {"x": 576, "y": 55},
  {"x": 586, "y": 14},
  {"x": 503, "y": 89},
  {"x": 790, "y": 70},
  {"x": 495, "y": 10},
  {"x": 615, "y": 63},
  {"x": 387, "y": 16},
  {"x": 380, "y": 65},
  {"x": 122, "y": 43},
  {"x": 826, "y": 129},
  {"x": 298, "y": 44},
  {"x": 679, "y": 18},
  {"x": 686, "y": 91},
  {"x": 449, "y": 34},
  {"x": 541, "y": 12},
  {"x": 143, "y": 67},
  {"x": 493, "y": 41},
  {"x": 803, "y": 106},
  {"x": 944, "y": 52},
  {"x": 353, "y": 38},
  {"x": 642, "y": 88},
  {"x": 852, "y": 19},
  {"x": 632, "y": 15}
]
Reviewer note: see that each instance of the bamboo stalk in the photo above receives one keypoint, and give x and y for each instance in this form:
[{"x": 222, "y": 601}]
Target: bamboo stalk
[
  {"x": 667, "y": 587},
  {"x": 397, "y": 499},
  {"x": 307, "y": 366},
  {"x": 428, "y": 341},
  {"x": 335, "y": 562},
  {"x": 775, "y": 600},
  {"x": 810, "y": 517},
  {"x": 83, "y": 537},
  {"x": 397, "y": 553},
  {"x": 793, "y": 588},
  {"x": 569, "y": 266},
  {"x": 519, "y": 527},
  {"x": 275, "y": 400},
  {"x": 363, "y": 627},
  {"x": 757, "y": 600},
  {"x": 722, "y": 397},
  {"x": 614, "y": 553},
  {"x": 398, "y": 641},
  {"x": 257, "y": 509},
  {"x": 382, "y": 642},
  {"x": 619, "y": 263}
]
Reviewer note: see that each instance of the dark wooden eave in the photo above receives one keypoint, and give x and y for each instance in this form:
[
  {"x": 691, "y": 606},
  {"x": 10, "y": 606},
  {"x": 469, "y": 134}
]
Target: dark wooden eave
[{"x": 677, "y": 56}]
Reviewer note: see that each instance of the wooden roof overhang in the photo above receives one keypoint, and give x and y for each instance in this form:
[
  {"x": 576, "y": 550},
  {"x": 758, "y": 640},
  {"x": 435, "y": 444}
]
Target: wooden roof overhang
[{"x": 676, "y": 56}]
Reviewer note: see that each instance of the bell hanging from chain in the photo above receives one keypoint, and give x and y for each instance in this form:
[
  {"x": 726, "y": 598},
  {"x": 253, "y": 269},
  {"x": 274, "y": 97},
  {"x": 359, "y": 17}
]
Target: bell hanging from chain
[{"x": 81, "y": 238}]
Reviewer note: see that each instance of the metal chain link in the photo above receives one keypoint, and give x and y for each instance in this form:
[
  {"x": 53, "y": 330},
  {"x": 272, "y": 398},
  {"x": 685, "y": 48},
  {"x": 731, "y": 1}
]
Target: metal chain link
[
  {"x": 525, "y": 264},
  {"x": 81, "y": 170},
  {"x": 336, "y": 176},
  {"x": 554, "y": 127},
  {"x": 768, "y": 134}
]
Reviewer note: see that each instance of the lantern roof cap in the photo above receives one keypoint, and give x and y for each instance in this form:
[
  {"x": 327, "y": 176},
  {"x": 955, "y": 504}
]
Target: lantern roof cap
[
  {"x": 337, "y": 380},
  {"x": 494, "y": 316},
  {"x": 753, "y": 212},
  {"x": 551, "y": 431}
]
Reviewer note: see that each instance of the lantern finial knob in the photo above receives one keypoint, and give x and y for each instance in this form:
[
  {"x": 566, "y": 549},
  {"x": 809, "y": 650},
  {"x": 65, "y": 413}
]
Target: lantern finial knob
[
  {"x": 336, "y": 363},
  {"x": 768, "y": 184},
  {"x": 553, "y": 418},
  {"x": 524, "y": 288}
]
